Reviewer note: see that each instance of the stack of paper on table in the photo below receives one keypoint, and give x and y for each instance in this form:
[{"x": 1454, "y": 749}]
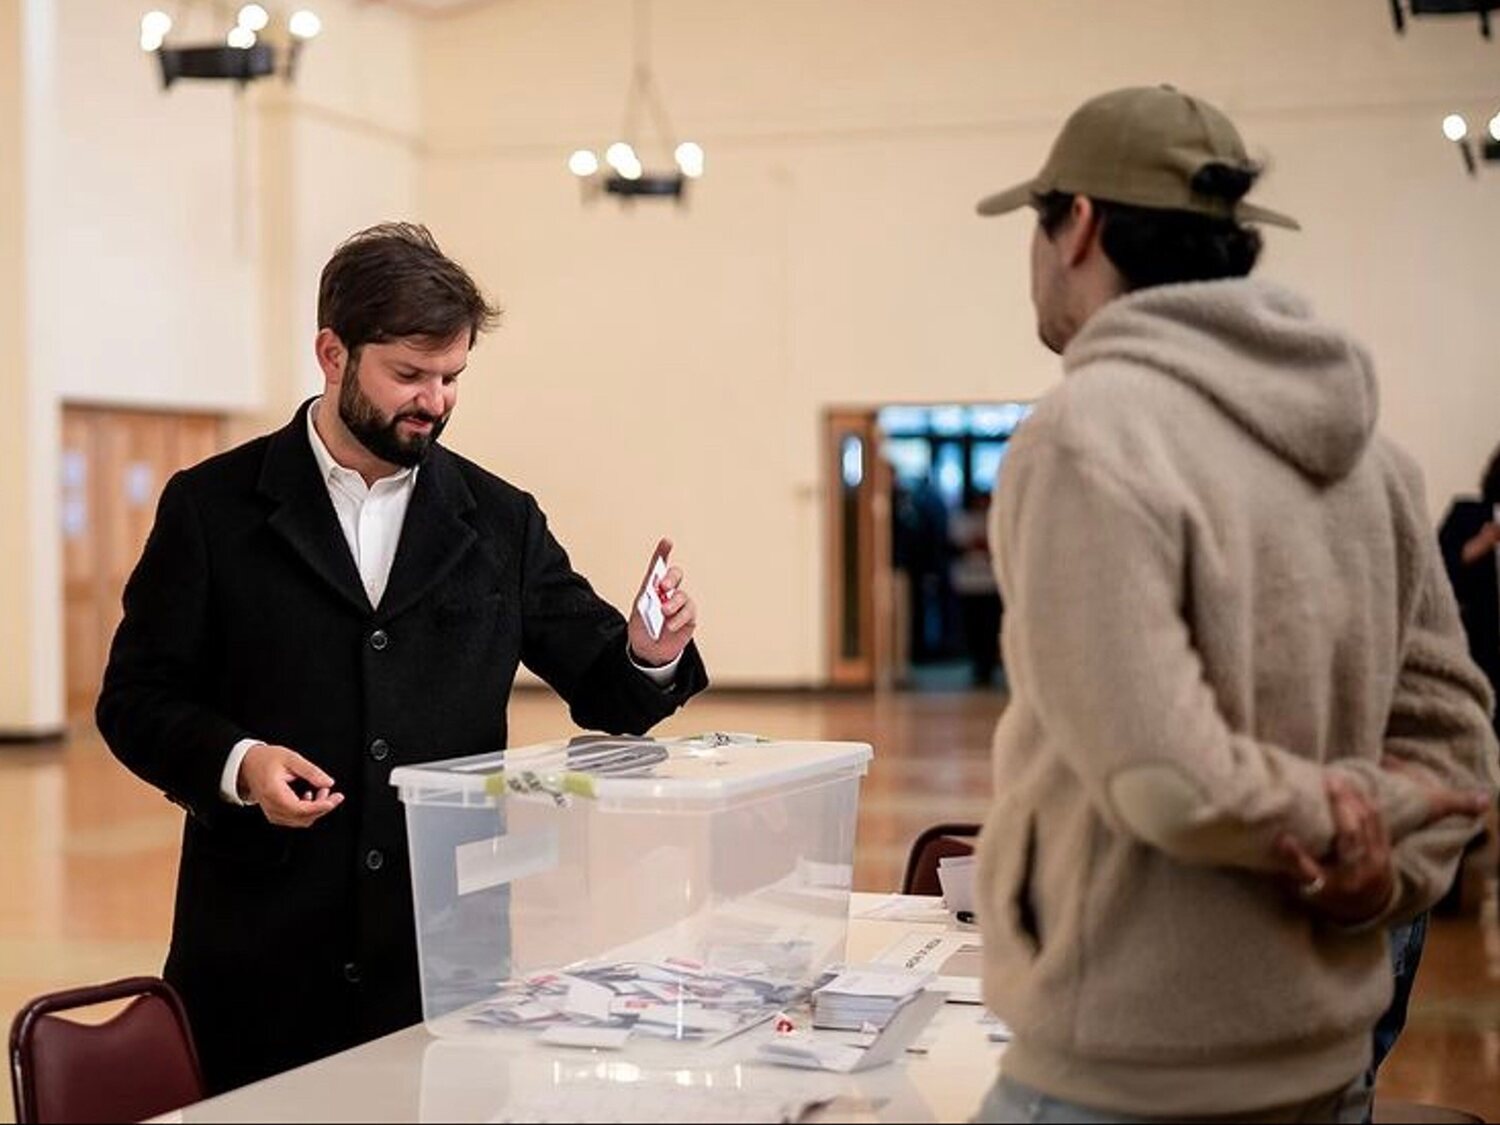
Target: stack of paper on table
[{"x": 866, "y": 996}]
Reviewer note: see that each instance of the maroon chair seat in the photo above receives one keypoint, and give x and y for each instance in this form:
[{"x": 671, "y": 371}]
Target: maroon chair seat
[{"x": 139, "y": 1063}]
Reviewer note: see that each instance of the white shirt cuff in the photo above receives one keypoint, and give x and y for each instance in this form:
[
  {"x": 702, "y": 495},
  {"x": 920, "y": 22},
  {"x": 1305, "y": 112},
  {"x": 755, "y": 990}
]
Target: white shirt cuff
[
  {"x": 229, "y": 780},
  {"x": 662, "y": 677}
]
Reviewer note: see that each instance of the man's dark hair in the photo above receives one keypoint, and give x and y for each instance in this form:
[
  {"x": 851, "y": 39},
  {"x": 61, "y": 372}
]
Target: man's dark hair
[
  {"x": 391, "y": 282},
  {"x": 1150, "y": 246},
  {"x": 1489, "y": 484}
]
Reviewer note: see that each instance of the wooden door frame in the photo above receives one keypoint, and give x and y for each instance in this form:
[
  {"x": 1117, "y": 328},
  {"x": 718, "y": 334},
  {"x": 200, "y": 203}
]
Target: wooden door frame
[{"x": 872, "y": 665}]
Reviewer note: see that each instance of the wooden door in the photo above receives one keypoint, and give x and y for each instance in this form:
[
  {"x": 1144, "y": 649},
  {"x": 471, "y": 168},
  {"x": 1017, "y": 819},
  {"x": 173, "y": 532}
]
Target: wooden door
[{"x": 114, "y": 464}]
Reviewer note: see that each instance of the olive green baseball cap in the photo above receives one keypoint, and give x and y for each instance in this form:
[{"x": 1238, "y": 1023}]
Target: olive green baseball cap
[{"x": 1142, "y": 146}]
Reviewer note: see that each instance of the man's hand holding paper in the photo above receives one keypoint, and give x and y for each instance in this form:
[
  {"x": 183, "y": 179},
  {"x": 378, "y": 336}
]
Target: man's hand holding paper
[{"x": 665, "y": 615}]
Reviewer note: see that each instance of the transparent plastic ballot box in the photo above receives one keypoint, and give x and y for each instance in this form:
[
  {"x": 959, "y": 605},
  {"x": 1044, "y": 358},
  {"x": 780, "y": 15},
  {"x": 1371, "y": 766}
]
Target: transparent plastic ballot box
[{"x": 720, "y": 853}]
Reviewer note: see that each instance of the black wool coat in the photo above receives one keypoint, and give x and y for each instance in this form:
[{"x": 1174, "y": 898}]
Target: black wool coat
[{"x": 246, "y": 618}]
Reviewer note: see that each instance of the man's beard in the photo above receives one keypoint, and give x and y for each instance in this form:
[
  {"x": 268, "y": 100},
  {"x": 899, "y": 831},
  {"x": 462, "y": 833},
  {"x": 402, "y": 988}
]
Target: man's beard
[{"x": 380, "y": 436}]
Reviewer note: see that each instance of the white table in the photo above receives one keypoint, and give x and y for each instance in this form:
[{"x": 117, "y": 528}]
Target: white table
[{"x": 414, "y": 1075}]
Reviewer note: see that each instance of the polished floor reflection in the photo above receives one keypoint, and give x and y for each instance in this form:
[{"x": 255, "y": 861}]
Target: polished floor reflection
[{"x": 90, "y": 858}]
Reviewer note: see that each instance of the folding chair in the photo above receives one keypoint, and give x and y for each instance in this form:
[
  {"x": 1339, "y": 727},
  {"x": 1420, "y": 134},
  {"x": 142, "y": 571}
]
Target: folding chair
[{"x": 139, "y": 1063}]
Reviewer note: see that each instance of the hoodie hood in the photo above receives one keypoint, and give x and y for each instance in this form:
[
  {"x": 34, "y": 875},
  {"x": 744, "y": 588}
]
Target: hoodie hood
[{"x": 1304, "y": 390}]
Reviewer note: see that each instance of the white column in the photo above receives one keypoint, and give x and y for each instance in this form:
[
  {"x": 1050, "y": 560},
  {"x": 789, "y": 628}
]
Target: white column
[{"x": 31, "y": 696}]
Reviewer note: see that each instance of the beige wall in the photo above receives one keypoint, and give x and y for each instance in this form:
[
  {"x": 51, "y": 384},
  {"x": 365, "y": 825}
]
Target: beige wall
[
  {"x": 664, "y": 370},
  {"x": 148, "y": 224},
  {"x": 188, "y": 222},
  {"x": 337, "y": 152},
  {"x": 162, "y": 248}
]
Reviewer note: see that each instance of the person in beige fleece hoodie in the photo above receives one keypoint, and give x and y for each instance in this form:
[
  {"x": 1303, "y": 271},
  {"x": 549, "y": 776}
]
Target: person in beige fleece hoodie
[{"x": 1244, "y": 733}]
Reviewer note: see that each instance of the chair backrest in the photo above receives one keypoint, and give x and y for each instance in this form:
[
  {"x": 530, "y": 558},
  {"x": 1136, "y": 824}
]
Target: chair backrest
[
  {"x": 139, "y": 1063},
  {"x": 932, "y": 845}
]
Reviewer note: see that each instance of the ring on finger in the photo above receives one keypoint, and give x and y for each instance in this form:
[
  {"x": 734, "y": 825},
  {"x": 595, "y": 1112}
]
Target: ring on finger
[{"x": 1313, "y": 887}]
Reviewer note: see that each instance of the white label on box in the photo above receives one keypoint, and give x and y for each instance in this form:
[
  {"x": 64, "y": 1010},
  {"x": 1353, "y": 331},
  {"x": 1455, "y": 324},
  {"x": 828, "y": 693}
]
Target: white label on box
[{"x": 482, "y": 864}]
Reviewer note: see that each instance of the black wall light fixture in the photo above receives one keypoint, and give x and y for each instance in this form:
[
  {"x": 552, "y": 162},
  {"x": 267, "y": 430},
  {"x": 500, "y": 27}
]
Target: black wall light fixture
[
  {"x": 1400, "y": 12},
  {"x": 1456, "y": 129},
  {"x": 621, "y": 172},
  {"x": 1456, "y": 125},
  {"x": 252, "y": 49}
]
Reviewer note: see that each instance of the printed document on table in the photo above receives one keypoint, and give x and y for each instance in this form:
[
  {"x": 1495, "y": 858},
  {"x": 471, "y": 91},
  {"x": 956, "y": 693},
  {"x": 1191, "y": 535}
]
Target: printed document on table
[{"x": 956, "y": 958}]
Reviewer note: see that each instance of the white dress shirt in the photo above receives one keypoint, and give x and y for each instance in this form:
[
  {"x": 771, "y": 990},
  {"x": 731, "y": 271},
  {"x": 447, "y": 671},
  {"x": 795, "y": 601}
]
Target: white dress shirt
[{"x": 371, "y": 517}]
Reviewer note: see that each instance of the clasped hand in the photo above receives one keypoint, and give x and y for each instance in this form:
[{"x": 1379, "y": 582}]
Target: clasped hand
[{"x": 1356, "y": 880}]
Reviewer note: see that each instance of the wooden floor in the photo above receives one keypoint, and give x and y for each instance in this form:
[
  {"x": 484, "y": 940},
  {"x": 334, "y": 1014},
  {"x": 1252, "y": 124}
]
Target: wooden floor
[{"x": 90, "y": 856}]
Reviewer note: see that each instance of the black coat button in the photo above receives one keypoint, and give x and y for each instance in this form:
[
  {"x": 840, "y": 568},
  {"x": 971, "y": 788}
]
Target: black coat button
[
  {"x": 351, "y": 972},
  {"x": 380, "y": 749},
  {"x": 374, "y": 859},
  {"x": 379, "y": 639}
]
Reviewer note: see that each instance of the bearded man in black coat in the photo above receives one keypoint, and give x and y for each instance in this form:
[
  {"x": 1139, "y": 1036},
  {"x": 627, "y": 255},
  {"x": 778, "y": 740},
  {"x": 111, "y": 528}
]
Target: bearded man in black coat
[{"x": 318, "y": 606}]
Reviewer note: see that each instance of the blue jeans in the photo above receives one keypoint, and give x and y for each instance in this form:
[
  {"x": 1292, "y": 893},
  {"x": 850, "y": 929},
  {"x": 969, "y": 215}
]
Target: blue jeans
[
  {"x": 1406, "y": 955},
  {"x": 1011, "y": 1101}
]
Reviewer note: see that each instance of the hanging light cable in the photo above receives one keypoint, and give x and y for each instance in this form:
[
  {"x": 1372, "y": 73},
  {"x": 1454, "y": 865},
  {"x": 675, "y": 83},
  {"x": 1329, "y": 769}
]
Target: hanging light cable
[{"x": 622, "y": 172}]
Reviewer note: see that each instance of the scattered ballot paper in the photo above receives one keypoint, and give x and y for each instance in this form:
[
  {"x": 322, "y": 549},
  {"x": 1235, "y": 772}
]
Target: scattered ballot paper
[
  {"x": 587, "y": 1000},
  {"x": 815, "y": 1051},
  {"x": 668, "y": 999}
]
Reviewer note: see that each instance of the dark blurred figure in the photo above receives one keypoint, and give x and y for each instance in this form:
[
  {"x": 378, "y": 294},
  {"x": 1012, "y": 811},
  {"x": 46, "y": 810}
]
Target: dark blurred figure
[
  {"x": 921, "y": 549},
  {"x": 1470, "y": 535},
  {"x": 973, "y": 578}
]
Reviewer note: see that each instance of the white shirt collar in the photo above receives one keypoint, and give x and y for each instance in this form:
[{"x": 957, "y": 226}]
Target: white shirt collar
[{"x": 331, "y": 470}]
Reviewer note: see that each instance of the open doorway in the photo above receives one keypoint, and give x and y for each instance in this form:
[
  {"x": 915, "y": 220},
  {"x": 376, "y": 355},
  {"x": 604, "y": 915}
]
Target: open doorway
[{"x": 913, "y": 602}]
